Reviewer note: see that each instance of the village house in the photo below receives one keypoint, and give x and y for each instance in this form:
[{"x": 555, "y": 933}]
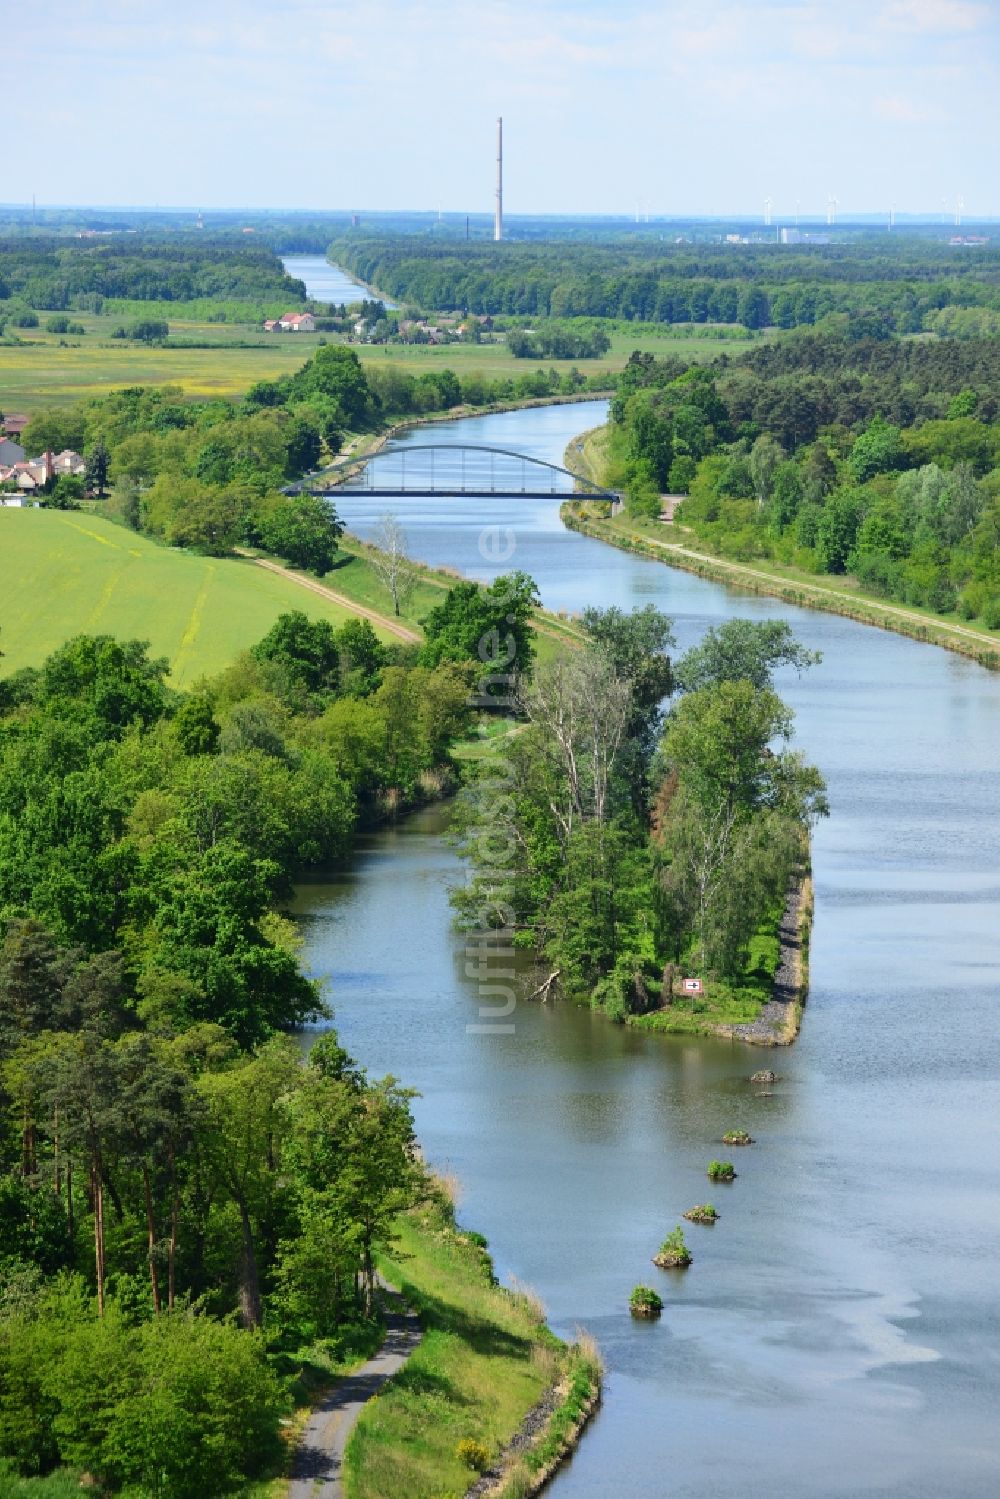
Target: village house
[
  {"x": 32, "y": 476},
  {"x": 10, "y": 452},
  {"x": 14, "y": 424},
  {"x": 68, "y": 462},
  {"x": 291, "y": 322}
]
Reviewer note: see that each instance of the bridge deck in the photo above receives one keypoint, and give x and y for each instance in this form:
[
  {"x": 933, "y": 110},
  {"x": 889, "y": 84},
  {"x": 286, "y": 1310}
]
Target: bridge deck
[{"x": 377, "y": 492}]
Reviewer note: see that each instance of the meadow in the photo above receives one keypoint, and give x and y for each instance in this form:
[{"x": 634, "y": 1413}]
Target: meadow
[
  {"x": 69, "y": 572},
  {"x": 223, "y": 359}
]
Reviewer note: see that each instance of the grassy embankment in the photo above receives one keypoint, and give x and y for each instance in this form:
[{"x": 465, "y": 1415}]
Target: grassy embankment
[
  {"x": 486, "y": 1360},
  {"x": 223, "y": 359},
  {"x": 678, "y": 546}
]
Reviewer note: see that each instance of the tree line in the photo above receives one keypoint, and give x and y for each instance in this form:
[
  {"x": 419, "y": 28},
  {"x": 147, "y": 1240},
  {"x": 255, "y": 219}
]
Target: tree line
[
  {"x": 209, "y": 475},
  {"x": 899, "y": 287},
  {"x": 879, "y": 460},
  {"x": 61, "y": 274}
]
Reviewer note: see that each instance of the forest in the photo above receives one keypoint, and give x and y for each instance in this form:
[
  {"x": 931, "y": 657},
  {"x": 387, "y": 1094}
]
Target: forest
[
  {"x": 189, "y": 1214},
  {"x": 62, "y": 274},
  {"x": 880, "y": 459},
  {"x": 899, "y": 286}
]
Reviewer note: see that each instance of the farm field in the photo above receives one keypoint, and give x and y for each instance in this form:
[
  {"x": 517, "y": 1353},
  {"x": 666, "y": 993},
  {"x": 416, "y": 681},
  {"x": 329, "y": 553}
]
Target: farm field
[
  {"x": 70, "y": 572},
  {"x": 45, "y": 369}
]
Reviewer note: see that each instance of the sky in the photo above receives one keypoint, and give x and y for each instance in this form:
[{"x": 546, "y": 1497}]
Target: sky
[{"x": 677, "y": 107}]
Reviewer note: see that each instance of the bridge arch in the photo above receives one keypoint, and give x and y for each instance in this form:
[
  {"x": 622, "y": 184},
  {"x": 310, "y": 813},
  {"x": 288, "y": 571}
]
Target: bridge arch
[{"x": 358, "y": 474}]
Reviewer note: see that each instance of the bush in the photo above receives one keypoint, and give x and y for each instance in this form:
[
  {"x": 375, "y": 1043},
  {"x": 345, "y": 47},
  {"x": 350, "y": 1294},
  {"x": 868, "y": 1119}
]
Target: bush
[
  {"x": 991, "y": 613},
  {"x": 182, "y": 1406},
  {"x": 703, "y": 1213},
  {"x": 673, "y": 1252},
  {"x": 644, "y": 1302},
  {"x": 972, "y": 600},
  {"x": 721, "y": 1171},
  {"x": 473, "y": 1454},
  {"x": 58, "y": 324},
  {"x": 145, "y": 331},
  {"x": 303, "y": 530}
]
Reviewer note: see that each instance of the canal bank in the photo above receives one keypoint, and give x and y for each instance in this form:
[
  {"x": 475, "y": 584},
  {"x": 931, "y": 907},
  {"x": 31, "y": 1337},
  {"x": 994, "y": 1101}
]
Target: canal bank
[
  {"x": 671, "y": 544},
  {"x": 820, "y": 1306}
]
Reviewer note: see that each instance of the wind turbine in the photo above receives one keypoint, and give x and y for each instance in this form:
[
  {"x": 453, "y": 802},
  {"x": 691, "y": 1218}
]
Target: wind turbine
[
  {"x": 959, "y": 205},
  {"x": 892, "y": 215},
  {"x": 768, "y": 202},
  {"x": 831, "y": 209},
  {"x": 797, "y": 206}
]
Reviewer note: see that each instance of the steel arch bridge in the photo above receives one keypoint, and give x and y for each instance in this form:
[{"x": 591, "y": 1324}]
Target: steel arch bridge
[{"x": 454, "y": 469}]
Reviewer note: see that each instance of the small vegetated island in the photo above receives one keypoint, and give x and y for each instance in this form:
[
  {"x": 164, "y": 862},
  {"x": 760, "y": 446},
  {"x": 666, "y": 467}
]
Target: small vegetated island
[{"x": 648, "y": 848}]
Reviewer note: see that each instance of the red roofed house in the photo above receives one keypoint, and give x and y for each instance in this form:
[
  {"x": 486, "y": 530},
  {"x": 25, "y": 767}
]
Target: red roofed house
[{"x": 297, "y": 322}]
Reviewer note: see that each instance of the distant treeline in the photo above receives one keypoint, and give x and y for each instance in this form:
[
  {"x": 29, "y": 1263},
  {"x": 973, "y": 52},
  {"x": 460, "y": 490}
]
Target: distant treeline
[
  {"x": 897, "y": 288},
  {"x": 876, "y": 459},
  {"x": 59, "y": 274}
]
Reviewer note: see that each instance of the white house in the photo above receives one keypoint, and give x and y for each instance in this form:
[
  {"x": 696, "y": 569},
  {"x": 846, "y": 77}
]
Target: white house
[{"x": 297, "y": 322}]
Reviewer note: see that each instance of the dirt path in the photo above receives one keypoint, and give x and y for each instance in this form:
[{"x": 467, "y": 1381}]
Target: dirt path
[
  {"x": 319, "y": 1462},
  {"x": 384, "y": 621}
]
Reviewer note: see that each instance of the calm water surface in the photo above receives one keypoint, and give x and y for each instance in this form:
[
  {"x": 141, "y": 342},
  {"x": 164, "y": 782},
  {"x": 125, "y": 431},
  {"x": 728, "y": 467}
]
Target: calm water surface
[
  {"x": 838, "y": 1331},
  {"x": 326, "y": 282}
]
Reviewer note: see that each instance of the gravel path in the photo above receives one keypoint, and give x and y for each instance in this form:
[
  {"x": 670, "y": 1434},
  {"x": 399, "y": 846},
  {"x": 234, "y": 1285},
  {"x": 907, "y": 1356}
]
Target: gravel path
[{"x": 318, "y": 1469}]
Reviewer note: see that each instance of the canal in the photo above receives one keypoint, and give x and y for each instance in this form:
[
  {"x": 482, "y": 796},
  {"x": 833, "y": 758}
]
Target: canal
[{"x": 837, "y": 1331}]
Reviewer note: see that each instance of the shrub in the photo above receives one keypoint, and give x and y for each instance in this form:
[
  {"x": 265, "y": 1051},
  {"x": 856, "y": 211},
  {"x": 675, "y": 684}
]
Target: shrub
[
  {"x": 991, "y": 613},
  {"x": 644, "y": 1302},
  {"x": 473, "y": 1454},
  {"x": 673, "y": 1253},
  {"x": 721, "y": 1171},
  {"x": 703, "y": 1213},
  {"x": 181, "y": 1407}
]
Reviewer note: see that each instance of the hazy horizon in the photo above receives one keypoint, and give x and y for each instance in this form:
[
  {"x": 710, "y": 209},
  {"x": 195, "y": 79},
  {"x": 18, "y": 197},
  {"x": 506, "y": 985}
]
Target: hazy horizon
[{"x": 669, "y": 107}]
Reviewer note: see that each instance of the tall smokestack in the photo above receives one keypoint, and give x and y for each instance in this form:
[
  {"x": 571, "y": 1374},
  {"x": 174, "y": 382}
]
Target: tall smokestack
[{"x": 498, "y": 216}]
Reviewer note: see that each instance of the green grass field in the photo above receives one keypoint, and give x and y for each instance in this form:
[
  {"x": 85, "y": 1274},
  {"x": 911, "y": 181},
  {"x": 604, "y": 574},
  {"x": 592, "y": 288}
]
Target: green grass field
[
  {"x": 66, "y": 573},
  {"x": 46, "y": 369}
]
